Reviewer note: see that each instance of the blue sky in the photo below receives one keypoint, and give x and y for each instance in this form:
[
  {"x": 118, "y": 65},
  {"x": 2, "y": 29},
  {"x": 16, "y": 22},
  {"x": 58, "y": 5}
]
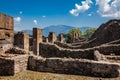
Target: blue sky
[{"x": 77, "y": 13}]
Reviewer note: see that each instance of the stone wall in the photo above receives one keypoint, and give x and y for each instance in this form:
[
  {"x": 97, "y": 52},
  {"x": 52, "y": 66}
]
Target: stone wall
[
  {"x": 21, "y": 40},
  {"x": 74, "y": 66},
  {"x": 13, "y": 65},
  {"x": 107, "y": 32},
  {"x": 52, "y": 37},
  {"x": 5, "y": 46},
  {"x": 6, "y": 22},
  {"x": 37, "y": 38},
  {"x": 6, "y": 66},
  {"x": 52, "y": 50},
  {"x": 68, "y": 46}
]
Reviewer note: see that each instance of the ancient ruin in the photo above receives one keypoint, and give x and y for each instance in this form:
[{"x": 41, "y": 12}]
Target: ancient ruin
[
  {"x": 93, "y": 57},
  {"x": 6, "y": 32}
]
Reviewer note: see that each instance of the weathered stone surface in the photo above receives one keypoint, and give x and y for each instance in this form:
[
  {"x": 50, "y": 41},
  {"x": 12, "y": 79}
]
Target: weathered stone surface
[
  {"x": 6, "y": 32},
  {"x": 52, "y": 50},
  {"x": 37, "y": 38},
  {"x": 74, "y": 66},
  {"x": 60, "y": 38},
  {"x": 6, "y": 22},
  {"x": 107, "y": 32},
  {"x": 16, "y": 50},
  {"x": 98, "y": 56},
  {"x": 13, "y": 65},
  {"x": 21, "y": 40},
  {"x": 52, "y": 37}
]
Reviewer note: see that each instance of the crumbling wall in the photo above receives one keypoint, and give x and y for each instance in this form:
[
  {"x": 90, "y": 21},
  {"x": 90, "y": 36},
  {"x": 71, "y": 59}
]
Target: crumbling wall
[
  {"x": 37, "y": 38},
  {"x": 68, "y": 46},
  {"x": 107, "y": 32},
  {"x": 13, "y": 65},
  {"x": 52, "y": 37},
  {"x": 21, "y": 40},
  {"x": 74, "y": 66},
  {"x": 52, "y": 50},
  {"x": 6, "y": 22},
  {"x": 6, "y": 32}
]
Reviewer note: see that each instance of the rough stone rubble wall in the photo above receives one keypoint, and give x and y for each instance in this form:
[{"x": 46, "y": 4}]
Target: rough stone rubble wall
[
  {"x": 6, "y": 66},
  {"x": 6, "y": 32},
  {"x": 21, "y": 40},
  {"x": 52, "y": 50},
  {"x": 37, "y": 38},
  {"x": 74, "y": 66},
  {"x": 10, "y": 66}
]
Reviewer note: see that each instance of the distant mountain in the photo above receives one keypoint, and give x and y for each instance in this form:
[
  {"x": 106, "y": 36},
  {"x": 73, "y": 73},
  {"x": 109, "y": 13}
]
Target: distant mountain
[
  {"x": 28, "y": 31},
  {"x": 83, "y": 29},
  {"x": 57, "y": 29}
]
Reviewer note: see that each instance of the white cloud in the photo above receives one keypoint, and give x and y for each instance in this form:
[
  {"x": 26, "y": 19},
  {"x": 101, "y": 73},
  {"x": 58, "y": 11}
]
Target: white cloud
[
  {"x": 109, "y": 8},
  {"x": 81, "y": 8},
  {"x": 17, "y": 19},
  {"x": 35, "y": 22},
  {"x": 89, "y": 14},
  {"x": 44, "y": 16},
  {"x": 21, "y": 12}
]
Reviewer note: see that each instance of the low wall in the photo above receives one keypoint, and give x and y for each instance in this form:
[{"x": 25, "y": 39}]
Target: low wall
[
  {"x": 51, "y": 50},
  {"x": 6, "y": 66},
  {"x": 74, "y": 66},
  {"x": 68, "y": 46},
  {"x": 12, "y": 65}
]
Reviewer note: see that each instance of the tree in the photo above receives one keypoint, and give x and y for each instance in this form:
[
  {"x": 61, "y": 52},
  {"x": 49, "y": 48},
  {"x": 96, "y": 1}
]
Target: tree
[
  {"x": 88, "y": 33},
  {"x": 74, "y": 34}
]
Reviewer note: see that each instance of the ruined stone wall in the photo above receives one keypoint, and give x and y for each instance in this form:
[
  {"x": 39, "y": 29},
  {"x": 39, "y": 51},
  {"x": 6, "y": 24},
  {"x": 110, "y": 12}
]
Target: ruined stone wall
[
  {"x": 6, "y": 66},
  {"x": 21, "y": 40},
  {"x": 12, "y": 65},
  {"x": 6, "y": 32},
  {"x": 6, "y": 22},
  {"x": 37, "y": 38},
  {"x": 52, "y": 37},
  {"x": 68, "y": 46},
  {"x": 52, "y": 50},
  {"x": 74, "y": 66}
]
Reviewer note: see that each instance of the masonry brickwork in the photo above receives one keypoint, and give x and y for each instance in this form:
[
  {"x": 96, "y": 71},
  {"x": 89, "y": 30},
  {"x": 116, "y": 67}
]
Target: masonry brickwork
[
  {"x": 21, "y": 40},
  {"x": 52, "y": 37},
  {"x": 37, "y": 38},
  {"x": 13, "y": 65},
  {"x": 6, "y": 32}
]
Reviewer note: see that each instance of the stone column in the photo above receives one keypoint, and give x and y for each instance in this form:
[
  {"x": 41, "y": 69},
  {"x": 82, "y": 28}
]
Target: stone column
[
  {"x": 46, "y": 40},
  {"x": 26, "y": 42},
  {"x": 51, "y": 37},
  {"x": 60, "y": 38},
  {"x": 37, "y": 38}
]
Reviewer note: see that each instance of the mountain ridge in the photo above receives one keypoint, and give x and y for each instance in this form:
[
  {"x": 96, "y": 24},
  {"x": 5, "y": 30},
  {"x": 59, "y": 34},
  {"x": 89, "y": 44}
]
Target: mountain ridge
[{"x": 57, "y": 29}]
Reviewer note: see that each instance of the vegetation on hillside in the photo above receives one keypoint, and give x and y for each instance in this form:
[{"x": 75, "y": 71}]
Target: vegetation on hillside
[
  {"x": 88, "y": 33},
  {"x": 73, "y": 34},
  {"x": 76, "y": 34}
]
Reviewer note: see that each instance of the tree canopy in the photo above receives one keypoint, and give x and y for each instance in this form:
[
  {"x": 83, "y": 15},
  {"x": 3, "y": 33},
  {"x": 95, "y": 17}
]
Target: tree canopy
[
  {"x": 74, "y": 34},
  {"x": 88, "y": 33}
]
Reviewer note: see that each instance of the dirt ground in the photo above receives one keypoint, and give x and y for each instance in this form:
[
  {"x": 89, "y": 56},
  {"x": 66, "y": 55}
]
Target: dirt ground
[{"x": 31, "y": 75}]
